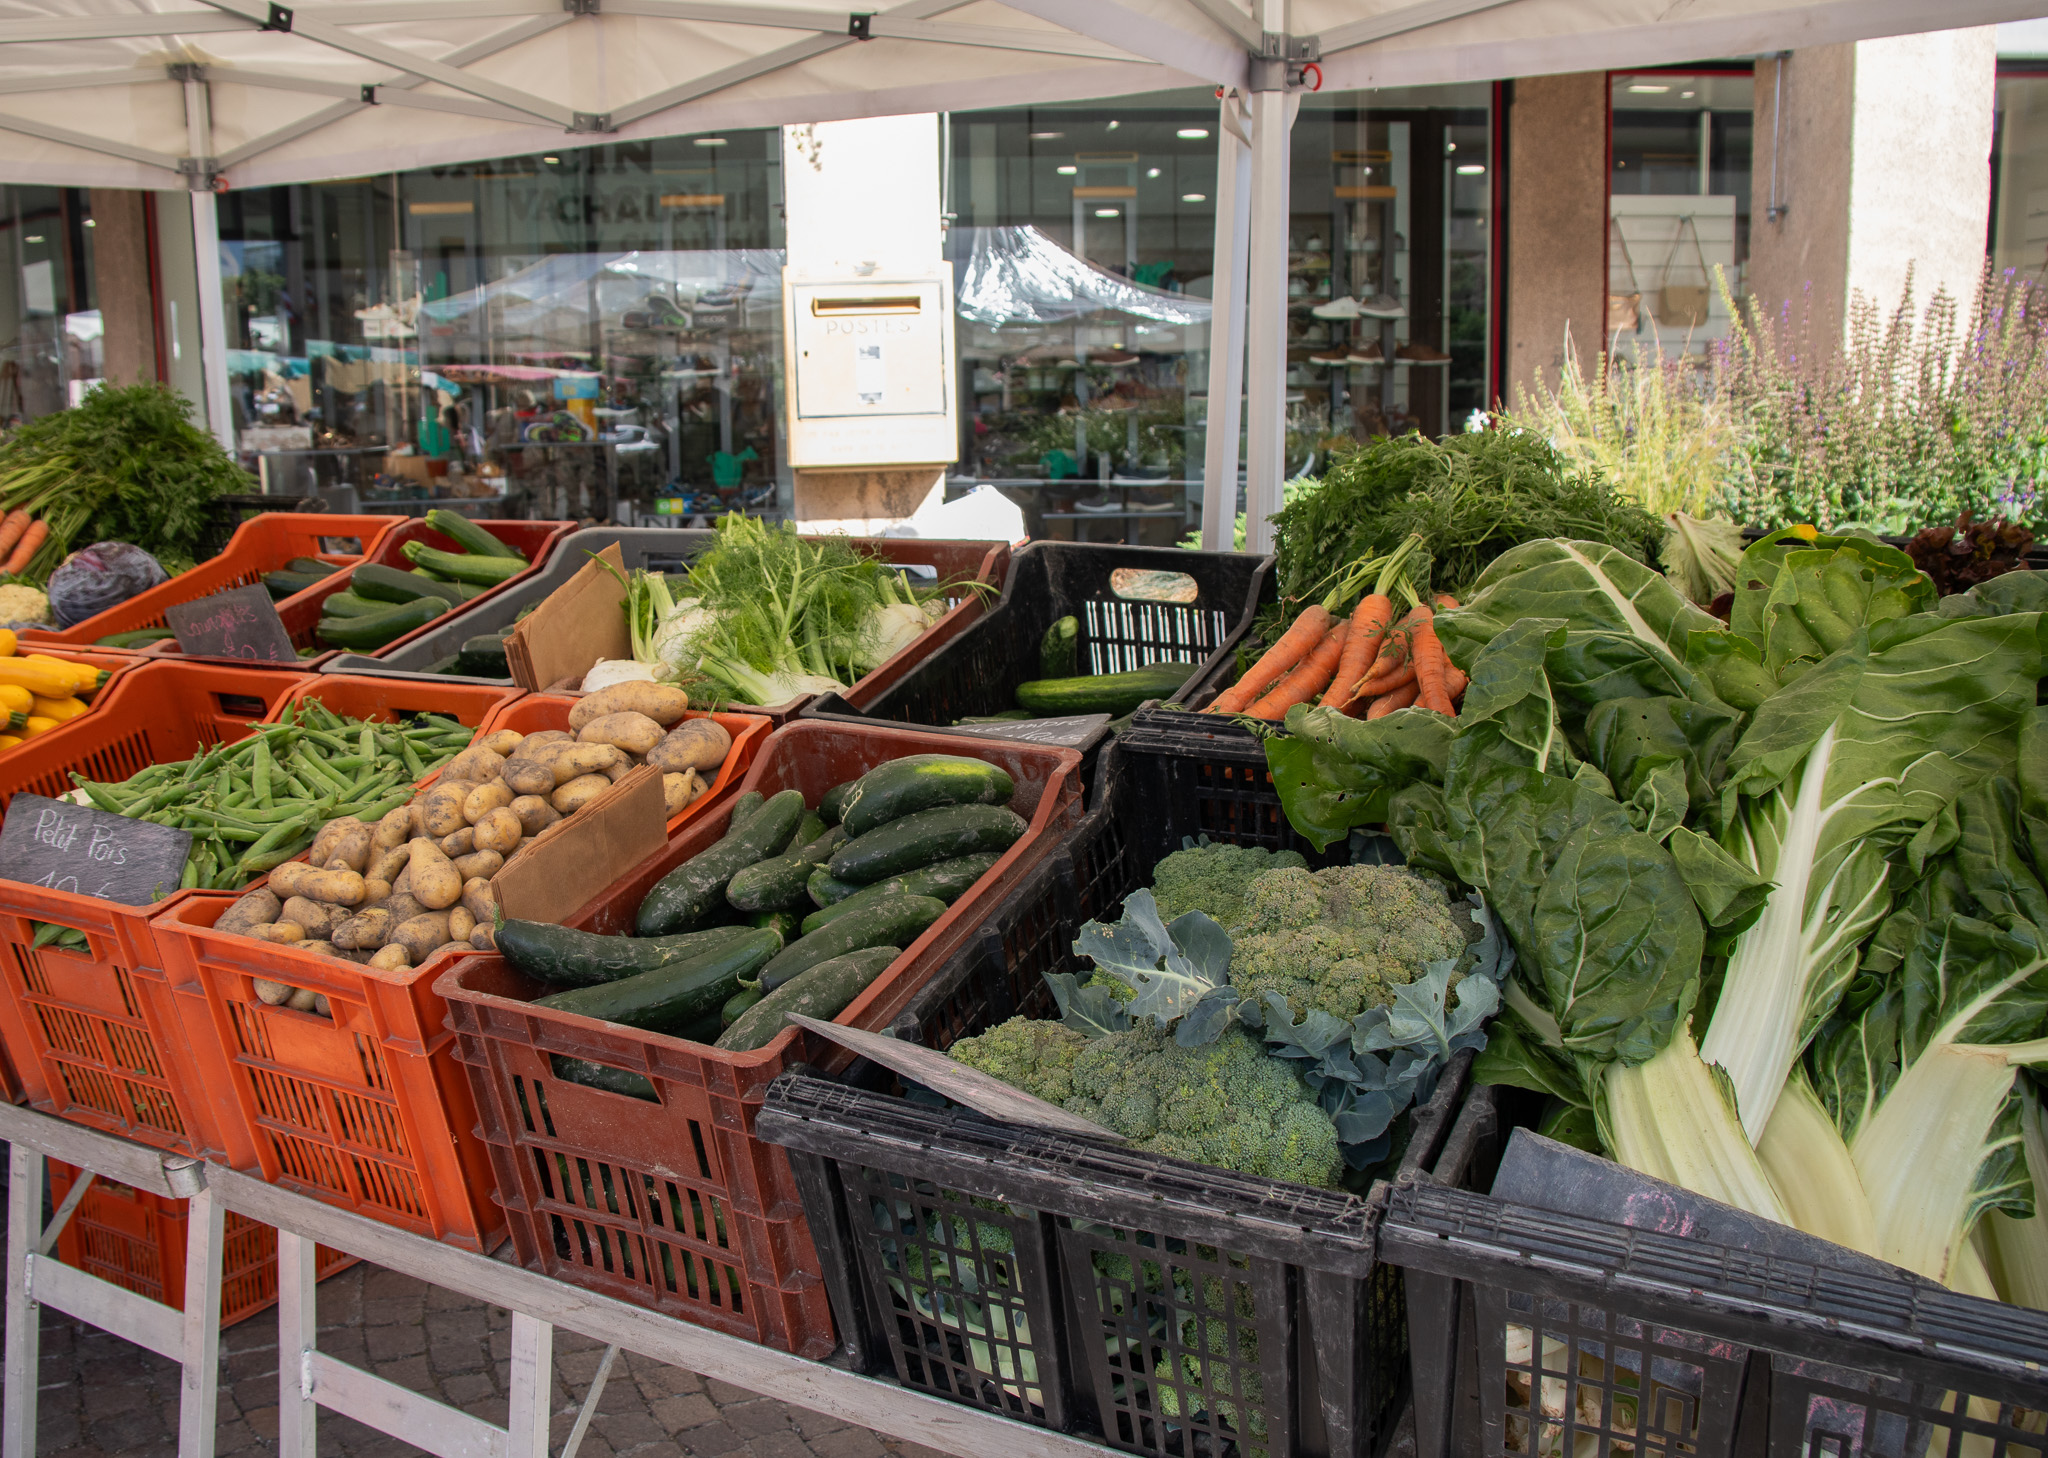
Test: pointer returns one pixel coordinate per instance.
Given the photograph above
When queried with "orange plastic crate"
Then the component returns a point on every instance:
(261, 544)
(137, 1241)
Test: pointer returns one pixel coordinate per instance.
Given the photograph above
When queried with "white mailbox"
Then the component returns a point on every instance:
(871, 371)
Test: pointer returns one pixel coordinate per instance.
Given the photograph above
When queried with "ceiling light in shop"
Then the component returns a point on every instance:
(709, 141)
(552, 161)
(1046, 136)
(1108, 213)
(35, 238)
(1450, 146)
(1151, 171)
(1639, 90)
(1193, 134)
(1112, 126)
(91, 223)
(1066, 171)
(1194, 197)
(1688, 95)
(1472, 169)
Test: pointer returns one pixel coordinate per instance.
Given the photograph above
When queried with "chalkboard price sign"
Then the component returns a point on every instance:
(239, 623)
(89, 852)
(1072, 731)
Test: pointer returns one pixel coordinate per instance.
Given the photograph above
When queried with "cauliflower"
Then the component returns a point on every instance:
(1213, 878)
(1227, 1103)
(20, 603)
(1341, 940)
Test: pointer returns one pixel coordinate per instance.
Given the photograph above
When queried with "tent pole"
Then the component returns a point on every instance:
(1226, 329)
(1266, 313)
(213, 330)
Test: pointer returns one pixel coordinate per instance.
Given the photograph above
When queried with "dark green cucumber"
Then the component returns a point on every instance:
(467, 535)
(789, 923)
(834, 804)
(675, 994)
(693, 891)
(743, 808)
(281, 584)
(826, 891)
(346, 604)
(311, 564)
(604, 1076)
(810, 829)
(389, 584)
(948, 880)
(565, 957)
(922, 782)
(463, 566)
(140, 638)
(778, 884)
(738, 1003)
(1114, 694)
(1008, 716)
(894, 922)
(923, 839)
(1059, 649)
(483, 657)
(374, 630)
(822, 991)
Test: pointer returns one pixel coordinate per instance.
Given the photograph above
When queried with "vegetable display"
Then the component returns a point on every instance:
(382, 603)
(39, 692)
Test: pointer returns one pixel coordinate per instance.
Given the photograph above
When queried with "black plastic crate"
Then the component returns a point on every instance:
(1553, 1333)
(1166, 1307)
(978, 673)
(223, 516)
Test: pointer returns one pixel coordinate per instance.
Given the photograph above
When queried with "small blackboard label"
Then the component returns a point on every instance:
(1070, 732)
(90, 852)
(239, 623)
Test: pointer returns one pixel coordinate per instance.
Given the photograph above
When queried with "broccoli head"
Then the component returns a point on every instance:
(1213, 878)
(1228, 1104)
(1341, 940)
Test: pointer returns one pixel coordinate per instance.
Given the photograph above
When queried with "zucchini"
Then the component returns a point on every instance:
(140, 638)
(374, 630)
(462, 567)
(310, 564)
(281, 584)
(738, 1003)
(824, 890)
(894, 922)
(925, 838)
(483, 657)
(346, 604)
(604, 1076)
(565, 957)
(389, 584)
(469, 536)
(948, 880)
(1114, 694)
(693, 891)
(824, 991)
(1060, 648)
(778, 884)
(834, 804)
(675, 994)
(922, 782)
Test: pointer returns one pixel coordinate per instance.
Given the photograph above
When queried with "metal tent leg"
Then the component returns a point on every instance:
(298, 1332)
(24, 1335)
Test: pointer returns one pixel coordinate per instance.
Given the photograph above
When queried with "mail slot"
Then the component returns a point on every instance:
(826, 308)
(871, 369)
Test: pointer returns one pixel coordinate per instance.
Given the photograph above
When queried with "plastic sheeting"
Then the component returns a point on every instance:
(1020, 276)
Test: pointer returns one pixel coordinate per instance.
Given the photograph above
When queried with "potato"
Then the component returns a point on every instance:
(401, 884)
(271, 994)
(374, 891)
(325, 843)
(579, 792)
(301, 1000)
(475, 765)
(253, 909)
(478, 900)
(634, 733)
(285, 932)
(391, 957)
(460, 923)
(501, 741)
(541, 737)
(402, 906)
(484, 938)
(336, 888)
(586, 759)
(441, 809)
(620, 770)
(353, 846)
(677, 791)
(459, 844)
(500, 831)
(421, 935)
(659, 702)
(484, 863)
(394, 829)
(416, 824)
(435, 883)
(320, 1004)
(387, 863)
(484, 799)
(365, 930)
(531, 776)
(311, 915)
(696, 744)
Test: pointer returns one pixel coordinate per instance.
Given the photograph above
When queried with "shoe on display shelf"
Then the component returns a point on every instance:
(1369, 353)
(1383, 306)
(1338, 308)
(1334, 357)
(1421, 354)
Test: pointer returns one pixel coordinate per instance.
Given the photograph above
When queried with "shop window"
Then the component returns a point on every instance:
(50, 345)
(1678, 206)
(2019, 170)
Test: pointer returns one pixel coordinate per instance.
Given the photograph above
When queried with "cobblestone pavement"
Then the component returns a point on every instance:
(102, 1396)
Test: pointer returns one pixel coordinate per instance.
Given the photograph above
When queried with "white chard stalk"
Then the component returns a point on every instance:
(2017, 1250)
(1669, 1119)
(1803, 1153)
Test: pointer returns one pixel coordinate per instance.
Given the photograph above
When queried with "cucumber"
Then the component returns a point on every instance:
(778, 884)
(895, 922)
(374, 630)
(1059, 649)
(826, 891)
(675, 994)
(948, 880)
(812, 826)
(281, 584)
(693, 891)
(604, 1076)
(744, 808)
(467, 535)
(140, 638)
(346, 604)
(923, 839)
(738, 1003)
(462, 566)
(1114, 694)
(566, 957)
(824, 991)
(1008, 716)
(389, 584)
(789, 923)
(310, 564)
(834, 804)
(483, 657)
(922, 782)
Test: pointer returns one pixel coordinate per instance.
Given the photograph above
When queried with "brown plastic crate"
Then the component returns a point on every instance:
(686, 1211)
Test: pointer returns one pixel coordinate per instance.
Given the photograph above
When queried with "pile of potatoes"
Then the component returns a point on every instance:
(394, 893)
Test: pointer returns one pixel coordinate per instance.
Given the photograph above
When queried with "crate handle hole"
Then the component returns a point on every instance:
(242, 706)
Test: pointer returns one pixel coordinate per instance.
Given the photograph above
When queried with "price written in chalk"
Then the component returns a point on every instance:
(239, 623)
(90, 852)
(1072, 731)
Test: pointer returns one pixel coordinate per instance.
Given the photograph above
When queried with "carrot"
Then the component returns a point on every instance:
(1385, 704)
(1369, 622)
(1371, 688)
(1307, 679)
(31, 538)
(1295, 644)
(1455, 681)
(15, 523)
(1430, 663)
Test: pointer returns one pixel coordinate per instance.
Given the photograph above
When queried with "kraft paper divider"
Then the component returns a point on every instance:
(586, 853)
(578, 623)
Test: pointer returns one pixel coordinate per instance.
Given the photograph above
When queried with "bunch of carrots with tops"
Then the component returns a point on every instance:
(20, 535)
(1364, 663)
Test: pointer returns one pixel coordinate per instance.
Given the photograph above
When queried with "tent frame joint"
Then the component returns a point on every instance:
(280, 19)
(201, 173)
(591, 121)
(1278, 63)
(859, 25)
(581, 7)
(183, 71)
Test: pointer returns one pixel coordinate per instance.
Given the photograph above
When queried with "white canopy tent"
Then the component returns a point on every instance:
(211, 94)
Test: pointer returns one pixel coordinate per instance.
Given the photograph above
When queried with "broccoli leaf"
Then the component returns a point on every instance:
(1206, 1020)
(1421, 1017)
(1170, 969)
(1087, 1007)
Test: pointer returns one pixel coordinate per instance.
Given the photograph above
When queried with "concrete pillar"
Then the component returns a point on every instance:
(179, 271)
(1882, 160)
(1556, 225)
(120, 258)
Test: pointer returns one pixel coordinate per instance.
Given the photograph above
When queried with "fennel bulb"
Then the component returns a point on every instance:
(672, 646)
(886, 631)
(608, 671)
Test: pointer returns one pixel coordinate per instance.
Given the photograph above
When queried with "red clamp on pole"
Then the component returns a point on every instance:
(1309, 66)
